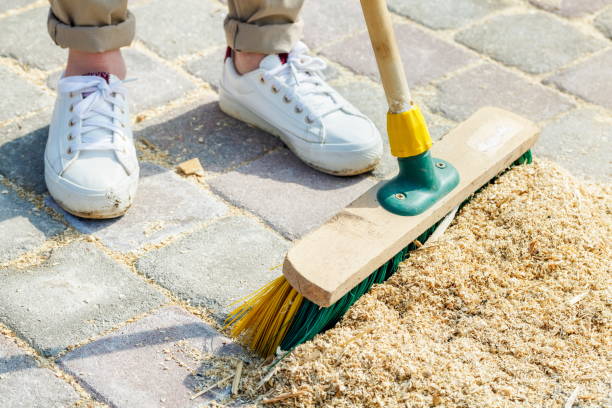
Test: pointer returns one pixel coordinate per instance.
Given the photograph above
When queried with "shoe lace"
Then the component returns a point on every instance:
(301, 79)
(100, 123)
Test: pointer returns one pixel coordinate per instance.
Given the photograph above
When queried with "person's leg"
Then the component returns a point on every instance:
(91, 169)
(93, 30)
(271, 82)
(256, 28)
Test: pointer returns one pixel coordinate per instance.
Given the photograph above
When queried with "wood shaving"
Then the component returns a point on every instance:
(191, 167)
(482, 320)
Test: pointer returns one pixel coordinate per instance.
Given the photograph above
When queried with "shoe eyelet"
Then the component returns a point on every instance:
(71, 94)
(71, 108)
(286, 99)
(70, 137)
(69, 151)
(308, 120)
(298, 110)
(262, 80)
(274, 90)
(122, 125)
(70, 123)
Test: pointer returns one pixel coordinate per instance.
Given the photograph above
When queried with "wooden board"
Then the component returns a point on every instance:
(327, 263)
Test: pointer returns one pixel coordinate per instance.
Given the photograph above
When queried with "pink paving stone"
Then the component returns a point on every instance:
(158, 361)
(590, 80)
(287, 194)
(571, 8)
(425, 57)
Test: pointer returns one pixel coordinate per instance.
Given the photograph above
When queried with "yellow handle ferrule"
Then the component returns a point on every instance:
(408, 134)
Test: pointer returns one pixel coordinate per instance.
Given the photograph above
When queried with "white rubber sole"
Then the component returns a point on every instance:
(236, 110)
(90, 204)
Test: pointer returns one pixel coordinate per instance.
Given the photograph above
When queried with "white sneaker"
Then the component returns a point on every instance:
(91, 167)
(288, 97)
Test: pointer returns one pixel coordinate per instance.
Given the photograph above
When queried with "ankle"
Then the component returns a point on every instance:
(245, 62)
(81, 63)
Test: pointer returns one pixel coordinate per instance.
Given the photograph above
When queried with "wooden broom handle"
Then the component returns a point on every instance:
(384, 43)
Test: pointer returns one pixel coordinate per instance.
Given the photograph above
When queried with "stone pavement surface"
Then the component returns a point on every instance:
(127, 313)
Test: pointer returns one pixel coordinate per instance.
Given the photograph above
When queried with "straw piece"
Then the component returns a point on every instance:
(211, 387)
(236, 383)
(572, 398)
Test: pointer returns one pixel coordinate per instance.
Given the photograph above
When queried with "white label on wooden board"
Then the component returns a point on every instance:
(489, 139)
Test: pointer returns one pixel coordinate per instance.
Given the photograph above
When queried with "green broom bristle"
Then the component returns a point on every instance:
(311, 319)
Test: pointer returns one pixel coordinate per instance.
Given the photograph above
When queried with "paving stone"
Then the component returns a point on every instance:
(536, 43)
(173, 29)
(23, 384)
(591, 80)
(24, 37)
(326, 21)
(22, 145)
(371, 101)
(77, 293)
(199, 266)
(23, 227)
(155, 85)
(18, 97)
(203, 131)
(445, 14)
(208, 67)
(7, 5)
(604, 22)
(580, 141)
(571, 8)
(286, 193)
(426, 57)
(153, 362)
(165, 205)
(487, 85)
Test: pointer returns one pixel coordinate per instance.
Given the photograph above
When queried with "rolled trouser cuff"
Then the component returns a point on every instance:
(91, 38)
(265, 39)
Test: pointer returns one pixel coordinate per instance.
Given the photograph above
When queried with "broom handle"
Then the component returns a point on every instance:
(390, 66)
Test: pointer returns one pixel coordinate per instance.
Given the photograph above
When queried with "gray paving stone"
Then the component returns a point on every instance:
(22, 145)
(218, 265)
(580, 141)
(425, 56)
(488, 85)
(536, 42)
(165, 205)
(445, 14)
(326, 21)
(24, 228)
(77, 293)
(371, 101)
(591, 80)
(571, 8)
(173, 29)
(286, 193)
(209, 67)
(155, 85)
(604, 22)
(23, 384)
(7, 5)
(159, 361)
(203, 131)
(24, 37)
(18, 97)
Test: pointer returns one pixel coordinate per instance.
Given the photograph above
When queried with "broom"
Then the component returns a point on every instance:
(330, 268)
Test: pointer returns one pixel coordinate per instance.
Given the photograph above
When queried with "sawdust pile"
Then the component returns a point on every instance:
(510, 309)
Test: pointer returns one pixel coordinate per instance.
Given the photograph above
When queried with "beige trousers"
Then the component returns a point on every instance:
(266, 26)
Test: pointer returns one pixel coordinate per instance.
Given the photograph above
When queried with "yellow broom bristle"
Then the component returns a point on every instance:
(263, 318)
